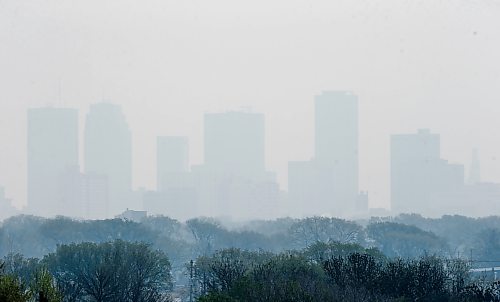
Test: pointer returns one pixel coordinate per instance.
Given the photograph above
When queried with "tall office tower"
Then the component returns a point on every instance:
(52, 151)
(336, 146)
(176, 193)
(233, 180)
(419, 177)
(84, 195)
(475, 169)
(95, 196)
(310, 189)
(235, 143)
(108, 152)
(172, 159)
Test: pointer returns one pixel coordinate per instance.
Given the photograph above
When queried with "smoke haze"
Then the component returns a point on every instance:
(425, 64)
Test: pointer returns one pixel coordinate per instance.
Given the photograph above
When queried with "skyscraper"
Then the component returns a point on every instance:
(420, 179)
(235, 143)
(310, 189)
(233, 180)
(172, 161)
(336, 145)
(108, 152)
(52, 151)
(475, 168)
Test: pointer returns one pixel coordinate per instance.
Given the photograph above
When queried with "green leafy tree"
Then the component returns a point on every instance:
(325, 229)
(399, 240)
(11, 289)
(43, 287)
(205, 233)
(321, 251)
(113, 271)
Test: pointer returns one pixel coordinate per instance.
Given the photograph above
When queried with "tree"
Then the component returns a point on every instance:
(44, 288)
(205, 232)
(11, 289)
(356, 275)
(285, 277)
(399, 240)
(325, 229)
(21, 267)
(220, 271)
(113, 271)
(487, 246)
(321, 251)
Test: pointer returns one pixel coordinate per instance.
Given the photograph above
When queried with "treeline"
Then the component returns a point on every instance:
(406, 236)
(233, 275)
(113, 271)
(126, 271)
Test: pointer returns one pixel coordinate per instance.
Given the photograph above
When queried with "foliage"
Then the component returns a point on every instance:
(487, 246)
(313, 239)
(400, 240)
(286, 277)
(235, 275)
(44, 287)
(114, 271)
(478, 292)
(23, 268)
(12, 290)
(321, 251)
(325, 229)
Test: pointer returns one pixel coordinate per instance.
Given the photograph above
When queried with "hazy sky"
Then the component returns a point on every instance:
(414, 64)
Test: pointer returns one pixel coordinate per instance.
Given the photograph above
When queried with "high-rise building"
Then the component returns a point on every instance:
(95, 196)
(233, 180)
(336, 146)
(176, 194)
(419, 177)
(310, 189)
(172, 158)
(108, 152)
(52, 150)
(475, 168)
(84, 195)
(235, 143)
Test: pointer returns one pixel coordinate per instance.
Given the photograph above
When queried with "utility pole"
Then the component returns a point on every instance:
(191, 281)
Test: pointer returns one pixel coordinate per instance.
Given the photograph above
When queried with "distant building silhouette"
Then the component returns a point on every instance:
(475, 169)
(235, 143)
(52, 151)
(96, 195)
(84, 195)
(233, 179)
(420, 179)
(108, 152)
(310, 189)
(362, 207)
(172, 158)
(328, 184)
(176, 194)
(336, 145)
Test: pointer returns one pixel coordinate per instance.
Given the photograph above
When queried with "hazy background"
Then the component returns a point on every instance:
(414, 64)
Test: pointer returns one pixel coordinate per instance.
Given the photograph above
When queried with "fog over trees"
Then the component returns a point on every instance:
(249, 151)
(407, 257)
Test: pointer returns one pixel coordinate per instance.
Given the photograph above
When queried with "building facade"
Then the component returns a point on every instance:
(52, 152)
(108, 152)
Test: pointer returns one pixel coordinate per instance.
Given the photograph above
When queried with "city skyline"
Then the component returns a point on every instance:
(257, 151)
(426, 65)
(235, 148)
